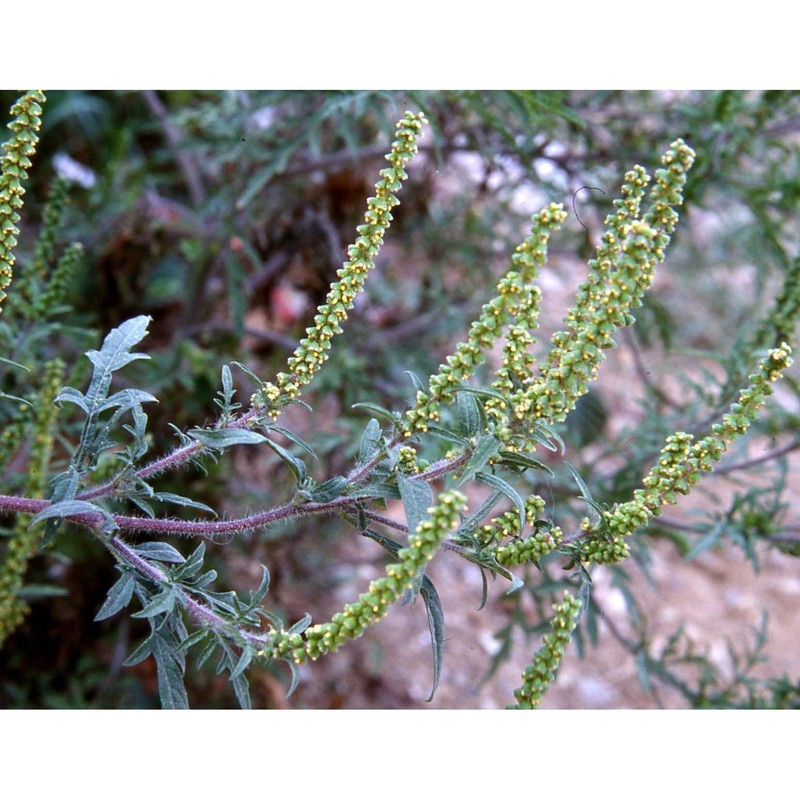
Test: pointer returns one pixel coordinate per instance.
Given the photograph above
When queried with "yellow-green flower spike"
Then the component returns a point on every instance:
(541, 673)
(14, 162)
(517, 301)
(619, 276)
(401, 575)
(24, 541)
(312, 353)
(681, 464)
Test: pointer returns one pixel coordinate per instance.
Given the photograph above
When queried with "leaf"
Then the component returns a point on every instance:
(482, 392)
(119, 595)
(433, 606)
(115, 351)
(225, 437)
(295, 678)
(34, 591)
(263, 587)
(370, 442)
(244, 661)
(294, 463)
(469, 415)
(300, 625)
(469, 525)
(242, 691)
(449, 436)
(586, 495)
(250, 374)
(507, 489)
(162, 603)
(192, 565)
(417, 498)
(331, 489)
(486, 447)
(70, 508)
(170, 676)
(293, 437)
(126, 399)
(378, 411)
(159, 551)
(547, 437)
(168, 497)
(13, 364)
(418, 385)
(512, 459)
(140, 653)
(195, 638)
(16, 399)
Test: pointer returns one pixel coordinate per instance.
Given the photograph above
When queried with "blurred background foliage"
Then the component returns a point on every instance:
(225, 215)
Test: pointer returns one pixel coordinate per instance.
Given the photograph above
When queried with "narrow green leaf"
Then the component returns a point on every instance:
(263, 587)
(485, 449)
(482, 392)
(585, 493)
(329, 490)
(119, 595)
(225, 437)
(158, 551)
(418, 385)
(195, 638)
(523, 461)
(13, 364)
(126, 399)
(433, 606)
(142, 505)
(69, 508)
(244, 661)
(170, 676)
(378, 411)
(162, 603)
(193, 564)
(242, 691)
(168, 497)
(370, 442)
(417, 498)
(300, 625)
(250, 374)
(294, 463)
(295, 678)
(507, 489)
(293, 437)
(16, 399)
(469, 415)
(140, 653)
(449, 436)
(35, 591)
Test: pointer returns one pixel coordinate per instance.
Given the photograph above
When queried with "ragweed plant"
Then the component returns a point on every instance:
(461, 429)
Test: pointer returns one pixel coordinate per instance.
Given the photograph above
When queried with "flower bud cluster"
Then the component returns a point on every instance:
(371, 606)
(529, 550)
(540, 674)
(14, 164)
(24, 541)
(60, 281)
(517, 301)
(407, 461)
(682, 459)
(312, 353)
(507, 526)
(618, 278)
